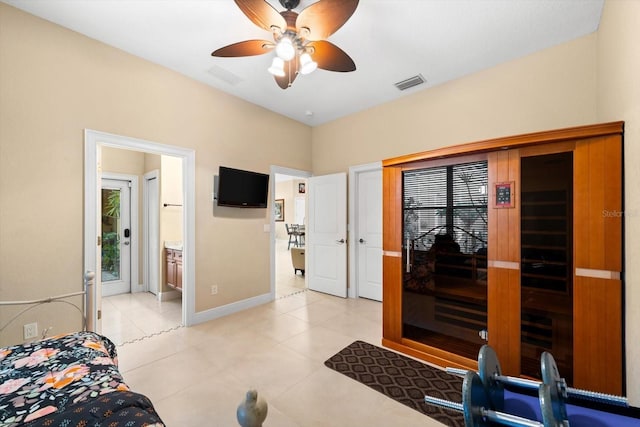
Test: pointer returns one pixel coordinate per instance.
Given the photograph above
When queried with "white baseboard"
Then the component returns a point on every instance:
(169, 295)
(225, 310)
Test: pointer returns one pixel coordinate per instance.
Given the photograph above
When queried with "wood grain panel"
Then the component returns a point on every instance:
(504, 317)
(504, 247)
(544, 149)
(392, 298)
(392, 209)
(433, 355)
(509, 142)
(392, 265)
(597, 337)
(613, 205)
(598, 203)
(504, 223)
(514, 225)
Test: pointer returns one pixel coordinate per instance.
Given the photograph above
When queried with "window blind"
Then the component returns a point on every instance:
(446, 199)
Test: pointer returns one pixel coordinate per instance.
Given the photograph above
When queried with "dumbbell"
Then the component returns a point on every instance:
(491, 375)
(476, 410)
(552, 391)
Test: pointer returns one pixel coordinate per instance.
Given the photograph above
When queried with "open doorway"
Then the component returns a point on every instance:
(289, 201)
(141, 303)
(138, 298)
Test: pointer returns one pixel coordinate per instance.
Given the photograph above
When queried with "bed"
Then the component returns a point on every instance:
(69, 380)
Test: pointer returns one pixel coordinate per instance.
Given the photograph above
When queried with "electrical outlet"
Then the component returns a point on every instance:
(30, 331)
(214, 290)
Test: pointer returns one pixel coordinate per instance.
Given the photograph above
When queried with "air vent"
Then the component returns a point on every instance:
(410, 82)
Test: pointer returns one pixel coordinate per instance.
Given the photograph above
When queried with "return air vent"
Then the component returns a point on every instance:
(410, 82)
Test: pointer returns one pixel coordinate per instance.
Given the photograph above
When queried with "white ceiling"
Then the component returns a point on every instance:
(389, 40)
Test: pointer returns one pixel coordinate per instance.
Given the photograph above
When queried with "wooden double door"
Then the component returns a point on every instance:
(526, 254)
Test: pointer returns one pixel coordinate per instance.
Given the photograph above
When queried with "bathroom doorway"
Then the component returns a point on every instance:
(94, 144)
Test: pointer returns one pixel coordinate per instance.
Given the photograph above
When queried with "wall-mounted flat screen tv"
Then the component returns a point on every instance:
(242, 189)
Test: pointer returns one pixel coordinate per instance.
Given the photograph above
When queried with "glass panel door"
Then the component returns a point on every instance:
(546, 265)
(444, 299)
(110, 234)
(116, 237)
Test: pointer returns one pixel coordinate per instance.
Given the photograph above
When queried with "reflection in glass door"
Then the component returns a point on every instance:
(116, 237)
(547, 272)
(444, 298)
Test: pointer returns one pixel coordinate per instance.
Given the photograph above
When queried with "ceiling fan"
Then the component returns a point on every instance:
(298, 38)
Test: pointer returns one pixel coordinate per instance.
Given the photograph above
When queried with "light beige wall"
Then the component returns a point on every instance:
(550, 89)
(54, 84)
(151, 162)
(171, 223)
(619, 99)
(171, 193)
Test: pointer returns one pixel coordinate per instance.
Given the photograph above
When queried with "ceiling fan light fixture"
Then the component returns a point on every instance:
(285, 49)
(307, 65)
(277, 67)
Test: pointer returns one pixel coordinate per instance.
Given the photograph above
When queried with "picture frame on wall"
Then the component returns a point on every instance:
(302, 188)
(278, 208)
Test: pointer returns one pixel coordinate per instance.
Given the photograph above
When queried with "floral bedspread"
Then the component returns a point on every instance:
(68, 380)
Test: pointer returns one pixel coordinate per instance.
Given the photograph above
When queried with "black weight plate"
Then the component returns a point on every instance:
(552, 406)
(474, 398)
(488, 368)
(549, 369)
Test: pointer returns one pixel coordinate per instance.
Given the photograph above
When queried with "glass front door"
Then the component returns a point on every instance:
(116, 237)
(444, 298)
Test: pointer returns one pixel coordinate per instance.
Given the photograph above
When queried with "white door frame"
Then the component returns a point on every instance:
(352, 227)
(146, 233)
(93, 141)
(272, 219)
(135, 286)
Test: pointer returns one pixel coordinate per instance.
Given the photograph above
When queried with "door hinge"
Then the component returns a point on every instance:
(99, 314)
(99, 241)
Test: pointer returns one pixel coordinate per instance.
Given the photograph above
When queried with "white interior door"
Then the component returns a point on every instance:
(326, 234)
(116, 237)
(369, 235)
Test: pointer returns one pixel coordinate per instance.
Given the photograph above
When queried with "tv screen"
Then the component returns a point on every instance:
(242, 189)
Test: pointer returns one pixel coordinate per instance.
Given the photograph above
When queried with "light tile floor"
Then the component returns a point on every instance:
(287, 281)
(197, 376)
(129, 317)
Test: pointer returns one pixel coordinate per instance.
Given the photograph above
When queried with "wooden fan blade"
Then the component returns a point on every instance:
(330, 57)
(325, 17)
(245, 48)
(262, 14)
(290, 74)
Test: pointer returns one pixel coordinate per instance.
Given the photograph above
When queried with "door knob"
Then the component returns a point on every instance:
(361, 241)
(341, 241)
(126, 243)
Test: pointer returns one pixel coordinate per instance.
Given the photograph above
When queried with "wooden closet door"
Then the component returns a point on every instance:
(597, 334)
(504, 264)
